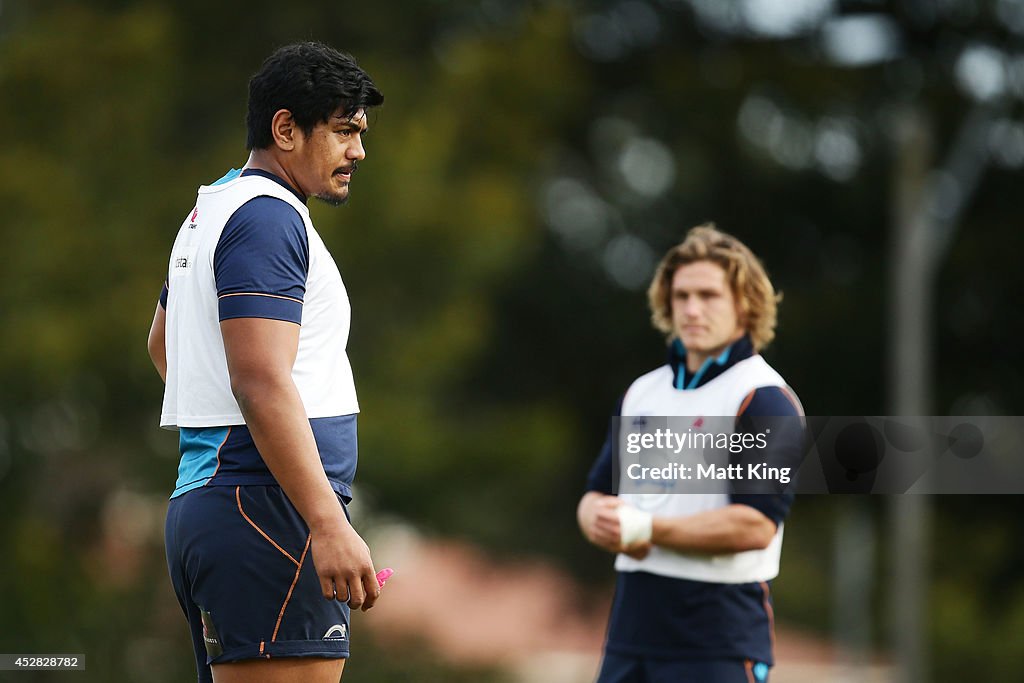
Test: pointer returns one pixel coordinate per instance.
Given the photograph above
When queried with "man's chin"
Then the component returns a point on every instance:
(692, 343)
(334, 199)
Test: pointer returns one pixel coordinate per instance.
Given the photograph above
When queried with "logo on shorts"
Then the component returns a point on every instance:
(337, 632)
(760, 672)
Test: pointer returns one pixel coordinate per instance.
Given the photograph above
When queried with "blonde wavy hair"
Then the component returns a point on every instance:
(756, 299)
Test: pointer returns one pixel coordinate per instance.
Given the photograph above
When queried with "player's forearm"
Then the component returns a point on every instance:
(159, 362)
(732, 529)
(276, 418)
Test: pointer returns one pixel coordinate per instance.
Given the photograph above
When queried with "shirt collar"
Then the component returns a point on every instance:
(684, 380)
(277, 179)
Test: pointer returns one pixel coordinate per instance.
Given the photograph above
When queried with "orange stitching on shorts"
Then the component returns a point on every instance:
(289, 596)
(238, 497)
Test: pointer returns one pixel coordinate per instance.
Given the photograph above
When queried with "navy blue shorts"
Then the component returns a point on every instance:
(625, 669)
(240, 564)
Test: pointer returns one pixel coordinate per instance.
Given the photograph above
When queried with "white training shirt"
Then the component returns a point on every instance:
(198, 388)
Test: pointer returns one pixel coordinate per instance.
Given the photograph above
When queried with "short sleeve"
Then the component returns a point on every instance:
(777, 410)
(163, 297)
(261, 262)
(601, 476)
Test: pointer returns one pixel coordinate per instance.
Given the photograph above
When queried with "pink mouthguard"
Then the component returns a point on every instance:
(383, 575)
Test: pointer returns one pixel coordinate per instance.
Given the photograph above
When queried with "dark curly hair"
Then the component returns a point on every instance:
(312, 81)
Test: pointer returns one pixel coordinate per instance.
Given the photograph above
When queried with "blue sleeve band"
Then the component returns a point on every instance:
(163, 297)
(771, 408)
(259, 306)
(262, 261)
(601, 476)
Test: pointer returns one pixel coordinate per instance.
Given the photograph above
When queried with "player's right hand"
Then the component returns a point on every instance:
(343, 564)
(599, 520)
(637, 551)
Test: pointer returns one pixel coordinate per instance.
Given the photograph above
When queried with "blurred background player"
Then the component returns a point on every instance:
(692, 601)
(250, 337)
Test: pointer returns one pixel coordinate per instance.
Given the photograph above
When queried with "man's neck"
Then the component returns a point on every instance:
(263, 160)
(694, 361)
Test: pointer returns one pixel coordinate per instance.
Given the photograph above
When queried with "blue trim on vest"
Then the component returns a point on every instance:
(230, 175)
(199, 449)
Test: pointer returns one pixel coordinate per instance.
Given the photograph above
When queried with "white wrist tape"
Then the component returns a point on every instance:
(634, 525)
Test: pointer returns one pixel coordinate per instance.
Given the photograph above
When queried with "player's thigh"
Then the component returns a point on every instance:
(283, 670)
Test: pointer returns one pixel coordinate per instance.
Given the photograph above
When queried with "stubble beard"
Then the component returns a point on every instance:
(332, 199)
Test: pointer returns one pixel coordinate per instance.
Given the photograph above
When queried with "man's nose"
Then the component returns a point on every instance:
(355, 151)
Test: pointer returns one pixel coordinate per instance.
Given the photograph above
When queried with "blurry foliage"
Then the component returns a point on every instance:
(489, 343)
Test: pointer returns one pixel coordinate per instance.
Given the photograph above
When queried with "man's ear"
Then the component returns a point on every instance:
(283, 130)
